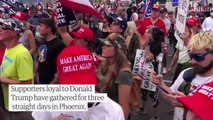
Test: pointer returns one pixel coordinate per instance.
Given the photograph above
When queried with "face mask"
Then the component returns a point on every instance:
(211, 14)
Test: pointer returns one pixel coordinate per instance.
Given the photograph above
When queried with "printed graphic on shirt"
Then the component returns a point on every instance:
(6, 62)
(42, 53)
(193, 88)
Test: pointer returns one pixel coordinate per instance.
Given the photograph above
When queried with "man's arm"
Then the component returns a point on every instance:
(65, 35)
(31, 39)
(6, 80)
(174, 61)
(55, 79)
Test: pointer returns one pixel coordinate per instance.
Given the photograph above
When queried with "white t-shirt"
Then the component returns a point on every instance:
(108, 110)
(195, 84)
(167, 23)
(208, 24)
(183, 56)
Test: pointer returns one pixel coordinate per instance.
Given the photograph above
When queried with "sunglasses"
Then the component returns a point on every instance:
(6, 27)
(199, 57)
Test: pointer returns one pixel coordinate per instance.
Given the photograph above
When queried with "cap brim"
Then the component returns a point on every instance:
(198, 105)
(156, 9)
(114, 19)
(191, 24)
(103, 41)
(77, 35)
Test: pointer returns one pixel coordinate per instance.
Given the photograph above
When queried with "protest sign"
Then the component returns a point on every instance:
(175, 3)
(138, 56)
(149, 5)
(144, 69)
(65, 16)
(181, 18)
(138, 2)
(11, 3)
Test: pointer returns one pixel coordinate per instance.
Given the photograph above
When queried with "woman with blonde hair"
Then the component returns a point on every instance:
(116, 71)
(132, 41)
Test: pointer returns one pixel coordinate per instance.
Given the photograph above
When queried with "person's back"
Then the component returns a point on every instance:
(207, 24)
(82, 72)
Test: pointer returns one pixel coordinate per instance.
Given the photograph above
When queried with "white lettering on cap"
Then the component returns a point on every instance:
(85, 66)
(119, 18)
(82, 58)
(81, 30)
(70, 68)
(66, 60)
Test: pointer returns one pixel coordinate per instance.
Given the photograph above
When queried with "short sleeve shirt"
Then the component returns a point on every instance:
(143, 25)
(17, 64)
(123, 78)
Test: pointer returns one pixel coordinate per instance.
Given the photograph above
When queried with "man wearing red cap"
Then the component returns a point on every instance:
(141, 15)
(76, 66)
(152, 20)
(83, 37)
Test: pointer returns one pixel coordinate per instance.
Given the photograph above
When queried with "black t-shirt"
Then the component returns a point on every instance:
(124, 77)
(47, 55)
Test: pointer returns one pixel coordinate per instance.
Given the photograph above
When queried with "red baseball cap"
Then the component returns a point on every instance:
(21, 16)
(142, 11)
(75, 65)
(192, 22)
(85, 33)
(201, 102)
(156, 7)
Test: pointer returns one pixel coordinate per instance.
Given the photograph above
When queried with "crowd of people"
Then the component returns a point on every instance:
(32, 49)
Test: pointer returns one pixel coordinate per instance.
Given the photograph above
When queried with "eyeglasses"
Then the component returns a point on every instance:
(6, 27)
(199, 57)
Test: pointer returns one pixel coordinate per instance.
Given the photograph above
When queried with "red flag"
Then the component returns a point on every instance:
(83, 6)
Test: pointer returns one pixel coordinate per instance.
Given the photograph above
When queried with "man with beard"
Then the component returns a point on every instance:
(201, 53)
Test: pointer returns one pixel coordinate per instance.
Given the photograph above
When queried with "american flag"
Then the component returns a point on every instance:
(149, 4)
(40, 4)
(83, 6)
